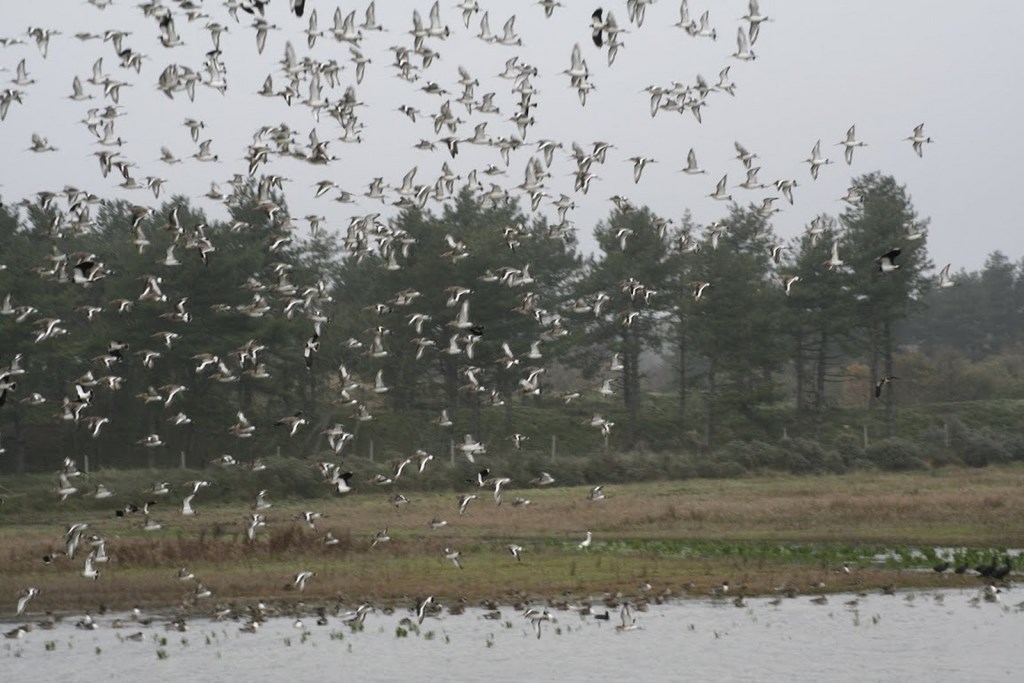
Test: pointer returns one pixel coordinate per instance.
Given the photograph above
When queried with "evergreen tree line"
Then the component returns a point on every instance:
(484, 323)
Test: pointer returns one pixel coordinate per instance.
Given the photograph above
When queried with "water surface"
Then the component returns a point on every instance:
(940, 635)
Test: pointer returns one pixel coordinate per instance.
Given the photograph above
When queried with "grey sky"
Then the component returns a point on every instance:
(821, 66)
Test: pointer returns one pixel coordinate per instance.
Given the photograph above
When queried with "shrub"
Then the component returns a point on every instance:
(752, 455)
(980, 447)
(720, 469)
(860, 465)
(803, 456)
(895, 454)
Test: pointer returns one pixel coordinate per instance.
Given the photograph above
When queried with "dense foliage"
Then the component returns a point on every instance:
(724, 347)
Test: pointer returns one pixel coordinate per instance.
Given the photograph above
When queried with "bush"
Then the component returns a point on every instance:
(751, 455)
(678, 466)
(980, 447)
(981, 450)
(860, 465)
(806, 456)
(896, 454)
(945, 457)
(848, 445)
(720, 469)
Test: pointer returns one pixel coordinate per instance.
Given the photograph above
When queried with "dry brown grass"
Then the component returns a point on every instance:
(977, 508)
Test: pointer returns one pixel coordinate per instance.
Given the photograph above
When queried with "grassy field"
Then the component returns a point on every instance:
(761, 534)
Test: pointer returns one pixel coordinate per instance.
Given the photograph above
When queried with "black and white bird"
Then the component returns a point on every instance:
(255, 522)
(90, 571)
(24, 597)
(597, 27)
(834, 261)
(816, 160)
(691, 167)
(628, 620)
(261, 502)
(850, 143)
(423, 607)
(720, 190)
(536, 617)
(788, 283)
(464, 500)
(292, 422)
(311, 348)
(544, 479)
(881, 383)
(309, 517)
(944, 281)
(918, 139)
(453, 557)
(887, 261)
(242, 429)
(299, 580)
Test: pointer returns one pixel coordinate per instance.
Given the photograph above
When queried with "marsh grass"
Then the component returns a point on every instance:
(760, 533)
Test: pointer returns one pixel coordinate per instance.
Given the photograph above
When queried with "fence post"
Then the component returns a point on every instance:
(865, 436)
(371, 450)
(85, 463)
(181, 459)
(554, 446)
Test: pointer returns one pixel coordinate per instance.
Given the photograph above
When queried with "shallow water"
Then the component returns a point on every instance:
(905, 637)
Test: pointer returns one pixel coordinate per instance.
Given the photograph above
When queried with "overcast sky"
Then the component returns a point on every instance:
(821, 66)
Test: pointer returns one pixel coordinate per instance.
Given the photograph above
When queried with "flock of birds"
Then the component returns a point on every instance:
(304, 80)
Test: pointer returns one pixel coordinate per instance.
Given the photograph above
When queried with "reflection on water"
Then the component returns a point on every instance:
(941, 636)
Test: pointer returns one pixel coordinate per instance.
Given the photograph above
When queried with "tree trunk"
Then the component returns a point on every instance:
(314, 386)
(18, 445)
(681, 374)
(404, 394)
(820, 372)
(475, 417)
(509, 427)
(451, 381)
(631, 385)
(709, 407)
(873, 367)
(890, 402)
(800, 372)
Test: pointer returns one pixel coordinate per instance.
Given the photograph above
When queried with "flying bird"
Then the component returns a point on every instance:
(816, 160)
(887, 261)
(944, 280)
(849, 144)
(23, 599)
(887, 379)
(918, 139)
